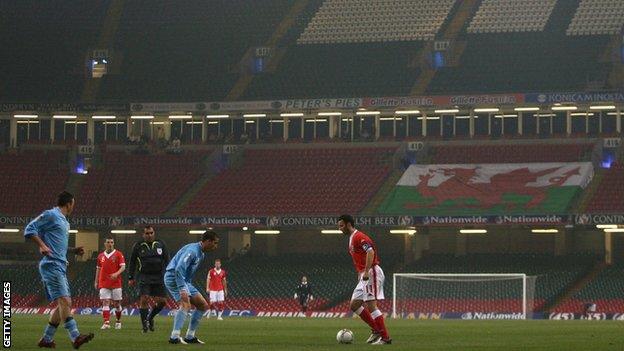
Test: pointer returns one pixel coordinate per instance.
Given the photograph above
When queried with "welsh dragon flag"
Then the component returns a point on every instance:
(482, 189)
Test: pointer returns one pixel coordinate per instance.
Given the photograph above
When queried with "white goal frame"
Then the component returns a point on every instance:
(453, 275)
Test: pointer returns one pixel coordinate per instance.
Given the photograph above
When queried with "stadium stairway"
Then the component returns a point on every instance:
(588, 194)
(287, 22)
(458, 19)
(575, 287)
(74, 183)
(612, 55)
(105, 40)
(561, 16)
(189, 194)
(381, 194)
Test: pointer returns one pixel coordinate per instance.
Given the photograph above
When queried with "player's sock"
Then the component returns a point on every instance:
(220, 309)
(155, 311)
(195, 319)
(366, 317)
(48, 333)
(381, 324)
(178, 323)
(143, 312)
(118, 313)
(72, 328)
(106, 313)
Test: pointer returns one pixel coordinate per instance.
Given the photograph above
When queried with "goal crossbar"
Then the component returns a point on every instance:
(502, 276)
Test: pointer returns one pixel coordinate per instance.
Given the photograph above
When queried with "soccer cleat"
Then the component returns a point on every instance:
(144, 324)
(47, 344)
(118, 325)
(193, 340)
(82, 339)
(373, 337)
(219, 318)
(106, 325)
(150, 324)
(177, 341)
(382, 342)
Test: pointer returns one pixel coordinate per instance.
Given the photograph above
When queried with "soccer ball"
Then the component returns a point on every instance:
(345, 336)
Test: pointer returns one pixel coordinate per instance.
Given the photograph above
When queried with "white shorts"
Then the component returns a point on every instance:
(371, 289)
(217, 296)
(110, 294)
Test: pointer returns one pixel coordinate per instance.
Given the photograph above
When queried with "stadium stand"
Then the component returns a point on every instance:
(495, 62)
(30, 181)
(609, 197)
(26, 284)
(187, 51)
(295, 181)
(339, 70)
(339, 21)
(52, 66)
(597, 17)
(547, 60)
(605, 291)
(496, 16)
(467, 154)
(441, 190)
(130, 184)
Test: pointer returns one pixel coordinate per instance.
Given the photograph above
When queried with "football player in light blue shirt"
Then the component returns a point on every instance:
(179, 281)
(50, 231)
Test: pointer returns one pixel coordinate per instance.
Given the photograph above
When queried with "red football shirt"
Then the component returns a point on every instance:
(359, 244)
(109, 264)
(216, 279)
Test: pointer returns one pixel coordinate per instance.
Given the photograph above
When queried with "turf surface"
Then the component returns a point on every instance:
(239, 333)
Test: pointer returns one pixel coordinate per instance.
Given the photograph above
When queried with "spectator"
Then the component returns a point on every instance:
(212, 138)
(244, 138)
(365, 134)
(175, 146)
(245, 250)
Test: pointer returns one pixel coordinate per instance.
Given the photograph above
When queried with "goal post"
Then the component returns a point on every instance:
(463, 295)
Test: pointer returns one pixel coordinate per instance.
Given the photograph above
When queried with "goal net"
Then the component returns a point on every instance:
(462, 296)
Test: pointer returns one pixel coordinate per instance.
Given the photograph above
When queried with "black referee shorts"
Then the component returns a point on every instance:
(152, 289)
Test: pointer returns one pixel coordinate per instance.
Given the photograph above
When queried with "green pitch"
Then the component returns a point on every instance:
(257, 334)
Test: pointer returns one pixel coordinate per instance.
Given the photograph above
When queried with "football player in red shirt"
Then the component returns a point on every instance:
(369, 289)
(216, 287)
(110, 265)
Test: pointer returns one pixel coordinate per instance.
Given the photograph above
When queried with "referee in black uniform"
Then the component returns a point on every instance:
(150, 256)
(303, 292)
